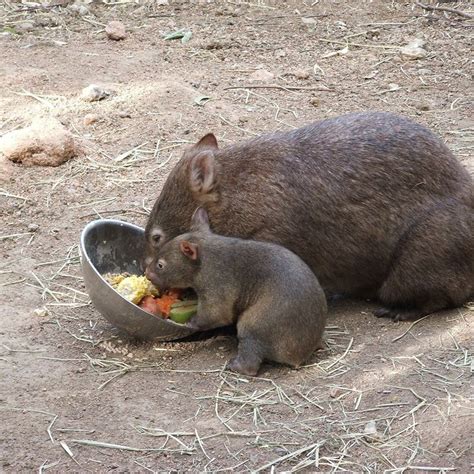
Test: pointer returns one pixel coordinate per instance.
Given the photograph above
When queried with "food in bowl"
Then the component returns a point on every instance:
(170, 304)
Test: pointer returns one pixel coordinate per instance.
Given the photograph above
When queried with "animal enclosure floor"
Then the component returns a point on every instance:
(75, 396)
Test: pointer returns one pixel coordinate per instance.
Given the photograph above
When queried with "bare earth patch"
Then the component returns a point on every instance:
(75, 396)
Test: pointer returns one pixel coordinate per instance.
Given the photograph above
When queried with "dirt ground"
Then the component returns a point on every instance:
(75, 396)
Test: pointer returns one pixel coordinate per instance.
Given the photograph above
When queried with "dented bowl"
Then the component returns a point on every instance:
(113, 246)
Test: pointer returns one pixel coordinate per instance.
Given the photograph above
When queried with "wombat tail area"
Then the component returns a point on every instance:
(433, 266)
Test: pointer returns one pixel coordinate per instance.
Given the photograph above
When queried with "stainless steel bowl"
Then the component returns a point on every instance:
(112, 246)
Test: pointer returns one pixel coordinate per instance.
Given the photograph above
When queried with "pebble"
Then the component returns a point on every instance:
(334, 392)
(423, 107)
(262, 75)
(41, 312)
(414, 49)
(301, 74)
(90, 119)
(33, 227)
(24, 27)
(314, 101)
(115, 30)
(94, 93)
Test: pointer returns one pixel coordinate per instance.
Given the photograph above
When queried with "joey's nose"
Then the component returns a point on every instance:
(150, 274)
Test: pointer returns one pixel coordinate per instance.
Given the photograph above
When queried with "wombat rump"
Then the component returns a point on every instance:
(267, 291)
(374, 203)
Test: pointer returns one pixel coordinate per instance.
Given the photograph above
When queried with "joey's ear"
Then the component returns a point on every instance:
(207, 142)
(203, 175)
(189, 249)
(200, 220)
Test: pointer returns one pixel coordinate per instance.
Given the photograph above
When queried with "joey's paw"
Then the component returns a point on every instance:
(238, 365)
(193, 323)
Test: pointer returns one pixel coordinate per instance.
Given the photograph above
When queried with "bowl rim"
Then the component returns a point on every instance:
(84, 254)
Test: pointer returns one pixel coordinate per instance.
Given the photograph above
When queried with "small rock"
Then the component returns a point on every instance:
(371, 433)
(79, 9)
(24, 27)
(370, 428)
(41, 312)
(423, 107)
(130, 355)
(46, 142)
(90, 119)
(308, 21)
(94, 93)
(262, 75)
(116, 30)
(314, 101)
(335, 392)
(33, 227)
(124, 114)
(301, 74)
(414, 49)
(280, 53)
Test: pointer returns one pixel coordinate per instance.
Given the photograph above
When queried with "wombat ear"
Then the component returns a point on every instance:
(202, 177)
(200, 220)
(189, 249)
(207, 141)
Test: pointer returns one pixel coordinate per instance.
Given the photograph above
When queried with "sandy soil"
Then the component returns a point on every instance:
(75, 396)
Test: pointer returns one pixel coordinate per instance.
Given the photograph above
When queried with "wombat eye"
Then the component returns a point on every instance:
(156, 237)
(160, 264)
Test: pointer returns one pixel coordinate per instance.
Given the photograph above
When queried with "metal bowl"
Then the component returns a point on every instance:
(112, 246)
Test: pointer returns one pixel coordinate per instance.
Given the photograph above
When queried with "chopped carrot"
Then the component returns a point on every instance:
(164, 303)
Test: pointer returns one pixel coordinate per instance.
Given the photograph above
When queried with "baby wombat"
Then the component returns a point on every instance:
(267, 291)
(374, 203)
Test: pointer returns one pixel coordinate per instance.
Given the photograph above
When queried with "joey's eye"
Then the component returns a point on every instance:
(161, 264)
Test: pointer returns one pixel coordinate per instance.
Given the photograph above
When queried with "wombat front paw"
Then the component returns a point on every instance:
(242, 367)
(397, 314)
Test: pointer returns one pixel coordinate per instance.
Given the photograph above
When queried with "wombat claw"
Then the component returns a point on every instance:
(396, 314)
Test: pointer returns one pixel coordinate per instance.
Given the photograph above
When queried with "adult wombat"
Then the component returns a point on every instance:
(374, 203)
(269, 292)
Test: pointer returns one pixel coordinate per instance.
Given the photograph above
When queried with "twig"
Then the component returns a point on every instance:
(283, 88)
(100, 444)
(409, 329)
(68, 451)
(360, 45)
(444, 9)
(289, 456)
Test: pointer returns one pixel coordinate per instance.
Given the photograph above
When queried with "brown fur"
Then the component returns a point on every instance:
(374, 203)
(268, 292)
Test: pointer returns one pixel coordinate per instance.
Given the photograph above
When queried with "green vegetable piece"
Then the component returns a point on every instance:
(182, 314)
(181, 303)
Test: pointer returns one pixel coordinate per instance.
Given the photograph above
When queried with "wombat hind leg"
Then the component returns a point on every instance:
(433, 267)
(248, 359)
(244, 366)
